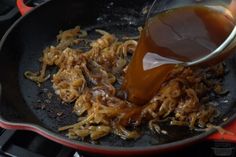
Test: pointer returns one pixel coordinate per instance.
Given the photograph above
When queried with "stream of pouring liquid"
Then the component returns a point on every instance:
(169, 38)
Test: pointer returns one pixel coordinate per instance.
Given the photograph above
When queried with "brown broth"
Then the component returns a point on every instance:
(183, 34)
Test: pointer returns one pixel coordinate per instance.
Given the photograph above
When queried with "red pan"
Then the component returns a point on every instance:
(22, 45)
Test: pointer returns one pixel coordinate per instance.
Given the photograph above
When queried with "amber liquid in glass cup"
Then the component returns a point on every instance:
(179, 34)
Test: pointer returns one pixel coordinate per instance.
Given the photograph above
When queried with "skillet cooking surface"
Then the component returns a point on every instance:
(23, 101)
(49, 110)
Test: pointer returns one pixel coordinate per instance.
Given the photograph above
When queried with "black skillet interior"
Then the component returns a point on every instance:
(23, 101)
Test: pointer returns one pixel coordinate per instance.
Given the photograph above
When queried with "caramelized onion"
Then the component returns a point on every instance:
(89, 80)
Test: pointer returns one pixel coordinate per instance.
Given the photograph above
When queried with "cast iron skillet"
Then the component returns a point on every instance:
(25, 106)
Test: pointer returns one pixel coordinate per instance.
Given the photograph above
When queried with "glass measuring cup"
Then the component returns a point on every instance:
(228, 7)
(152, 62)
